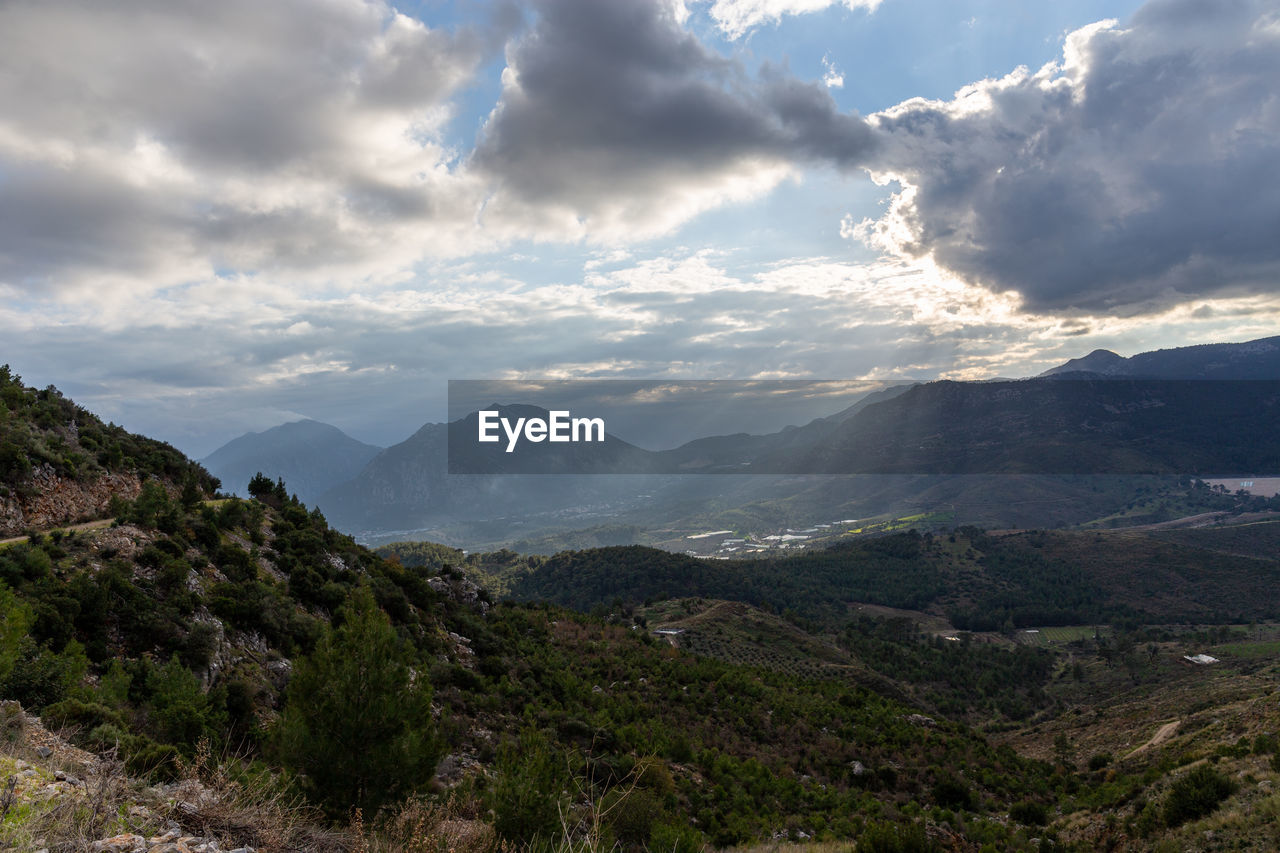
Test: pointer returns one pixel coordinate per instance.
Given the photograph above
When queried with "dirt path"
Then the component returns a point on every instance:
(87, 525)
(1162, 734)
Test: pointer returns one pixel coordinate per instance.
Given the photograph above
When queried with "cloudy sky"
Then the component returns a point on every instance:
(217, 217)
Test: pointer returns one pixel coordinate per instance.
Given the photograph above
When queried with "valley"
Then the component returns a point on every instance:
(737, 674)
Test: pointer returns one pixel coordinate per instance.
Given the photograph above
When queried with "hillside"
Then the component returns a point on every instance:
(60, 464)
(310, 456)
(232, 596)
(977, 580)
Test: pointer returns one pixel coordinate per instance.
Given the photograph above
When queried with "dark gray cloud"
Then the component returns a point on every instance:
(1135, 174)
(610, 106)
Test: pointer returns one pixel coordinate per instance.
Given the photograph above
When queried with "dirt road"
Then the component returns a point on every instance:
(88, 525)
(1162, 734)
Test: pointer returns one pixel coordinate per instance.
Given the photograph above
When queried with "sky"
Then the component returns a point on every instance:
(219, 217)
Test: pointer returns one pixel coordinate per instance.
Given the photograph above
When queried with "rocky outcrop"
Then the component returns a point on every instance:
(49, 499)
(461, 589)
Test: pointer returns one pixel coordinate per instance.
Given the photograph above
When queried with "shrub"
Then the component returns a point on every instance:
(86, 716)
(1029, 813)
(631, 814)
(950, 792)
(529, 792)
(161, 762)
(894, 838)
(1196, 794)
(13, 723)
(676, 839)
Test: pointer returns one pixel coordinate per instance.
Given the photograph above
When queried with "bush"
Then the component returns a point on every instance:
(85, 716)
(529, 793)
(894, 838)
(950, 792)
(676, 839)
(631, 814)
(1029, 813)
(13, 723)
(161, 762)
(1196, 794)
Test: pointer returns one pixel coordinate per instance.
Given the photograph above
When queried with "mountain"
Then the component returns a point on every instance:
(1042, 426)
(1101, 361)
(1258, 359)
(311, 457)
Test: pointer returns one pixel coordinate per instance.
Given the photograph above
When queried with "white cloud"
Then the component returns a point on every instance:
(832, 77)
(737, 17)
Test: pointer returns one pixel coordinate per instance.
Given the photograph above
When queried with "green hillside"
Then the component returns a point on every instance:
(981, 581)
(44, 428)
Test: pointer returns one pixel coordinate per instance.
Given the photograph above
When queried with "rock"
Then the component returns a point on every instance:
(44, 751)
(56, 500)
(460, 589)
(453, 768)
(921, 721)
(127, 843)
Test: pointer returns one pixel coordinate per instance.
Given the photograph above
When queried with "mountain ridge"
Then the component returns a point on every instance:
(1256, 359)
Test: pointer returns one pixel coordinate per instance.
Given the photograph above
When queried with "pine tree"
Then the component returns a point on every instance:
(357, 720)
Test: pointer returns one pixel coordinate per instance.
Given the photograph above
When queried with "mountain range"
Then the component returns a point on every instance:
(909, 444)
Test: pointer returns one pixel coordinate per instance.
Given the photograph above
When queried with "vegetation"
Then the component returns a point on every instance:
(356, 719)
(1196, 794)
(251, 630)
(45, 428)
(979, 581)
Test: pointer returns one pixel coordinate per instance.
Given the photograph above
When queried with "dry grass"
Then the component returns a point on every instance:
(219, 799)
(246, 810)
(795, 847)
(424, 826)
(63, 816)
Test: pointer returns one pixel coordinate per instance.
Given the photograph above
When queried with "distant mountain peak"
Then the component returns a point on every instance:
(309, 455)
(1099, 361)
(1258, 359)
